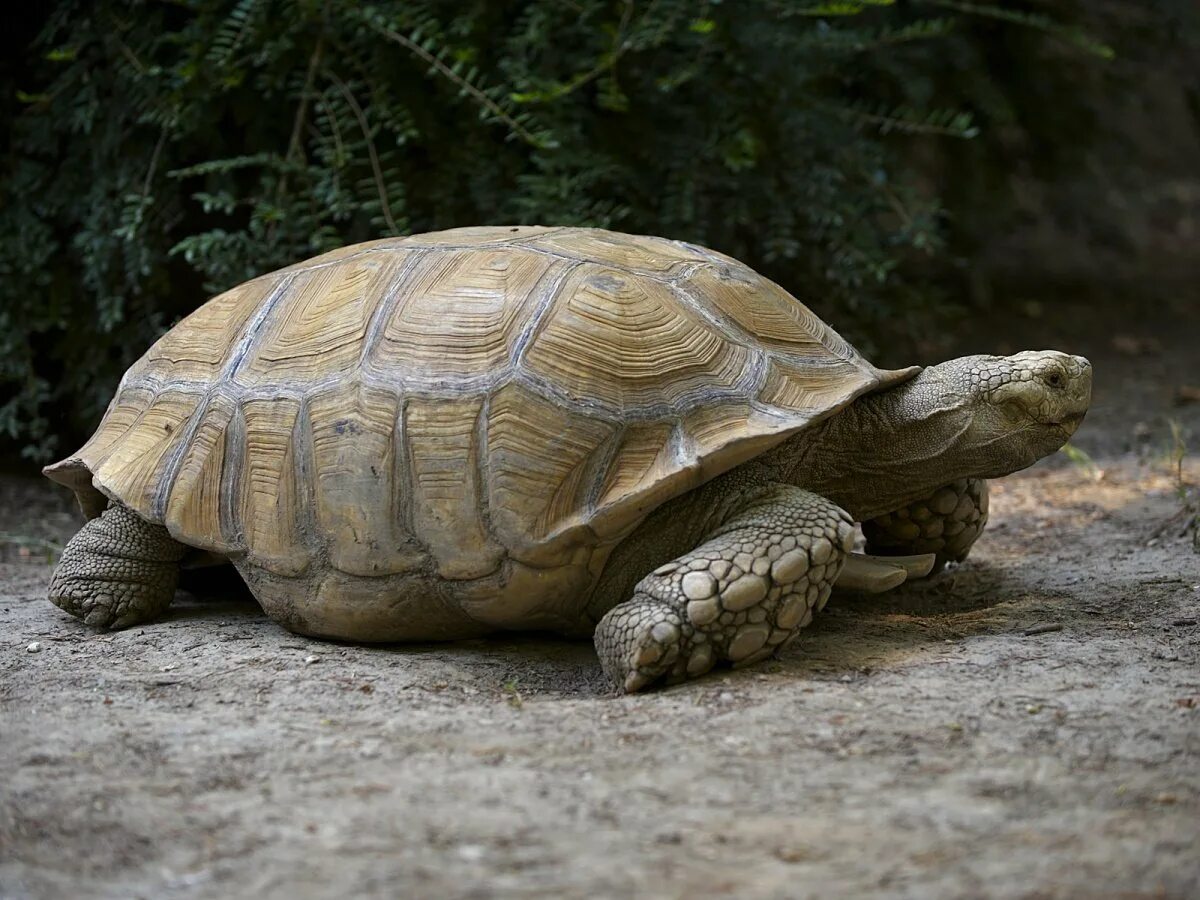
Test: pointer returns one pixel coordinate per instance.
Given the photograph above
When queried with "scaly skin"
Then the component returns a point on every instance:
(947, 523)
(118, 570)
(740, 596)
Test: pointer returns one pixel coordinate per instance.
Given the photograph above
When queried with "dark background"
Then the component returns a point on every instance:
(909, 169)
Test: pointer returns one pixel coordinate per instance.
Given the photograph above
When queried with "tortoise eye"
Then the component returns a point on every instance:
(1054, 379)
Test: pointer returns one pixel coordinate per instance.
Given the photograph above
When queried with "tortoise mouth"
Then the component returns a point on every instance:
(1068, 424)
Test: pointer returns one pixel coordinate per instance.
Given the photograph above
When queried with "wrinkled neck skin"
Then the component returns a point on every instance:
(889, 449)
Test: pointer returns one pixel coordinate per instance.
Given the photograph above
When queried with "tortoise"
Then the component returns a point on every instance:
(537, 428)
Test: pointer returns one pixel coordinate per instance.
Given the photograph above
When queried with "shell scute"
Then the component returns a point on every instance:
(357, 455)
(447, 489)
(625, 343)
(489, 291)
(196, 349)
(134, 466)
(644, 456)
(271, 498)
(822, 383)
(194, 505)
(541, 462)
(770, 315)
(316, 328)
(124, 411)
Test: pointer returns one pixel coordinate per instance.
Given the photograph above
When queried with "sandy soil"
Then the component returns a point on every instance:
(1027, 725)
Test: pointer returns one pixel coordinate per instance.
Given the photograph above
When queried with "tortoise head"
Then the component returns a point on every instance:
(1019, 408)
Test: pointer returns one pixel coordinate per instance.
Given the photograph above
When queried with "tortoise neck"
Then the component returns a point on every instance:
(884, 450)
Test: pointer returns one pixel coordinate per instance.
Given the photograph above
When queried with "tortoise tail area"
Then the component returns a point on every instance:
(75, 474)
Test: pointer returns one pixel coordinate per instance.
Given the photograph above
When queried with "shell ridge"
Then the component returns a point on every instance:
(436, 387)
(683, 446)
(303, 470)
(231, 478)
(729, 329)
(483, 471)
(605, 454)
(402, 475)
(829, 339)
(162, 491)
(386, 306)
(548, 390)
(755, 376)
(519, 243)
(522, 240)
(246, 339)
(546, 291)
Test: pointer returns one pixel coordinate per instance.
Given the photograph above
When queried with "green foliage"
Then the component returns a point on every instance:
(161, 152)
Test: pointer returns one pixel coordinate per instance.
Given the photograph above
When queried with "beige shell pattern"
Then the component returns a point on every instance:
(440, 401)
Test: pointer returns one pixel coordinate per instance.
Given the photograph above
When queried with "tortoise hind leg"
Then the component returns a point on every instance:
(946, 523)
(738, 597)
(118, 570)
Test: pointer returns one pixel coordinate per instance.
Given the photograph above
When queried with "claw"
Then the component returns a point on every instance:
(634, 682)
(916, 566)
(876, 574)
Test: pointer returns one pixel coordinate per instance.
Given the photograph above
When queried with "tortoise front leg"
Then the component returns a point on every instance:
(117, 571)
(946, 523)
(738, 597)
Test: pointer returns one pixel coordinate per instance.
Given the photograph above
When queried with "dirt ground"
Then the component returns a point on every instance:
(1027, 725)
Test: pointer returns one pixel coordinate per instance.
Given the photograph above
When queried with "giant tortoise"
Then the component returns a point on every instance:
(564, 429)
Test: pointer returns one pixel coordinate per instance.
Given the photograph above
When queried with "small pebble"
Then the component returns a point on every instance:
(792, 854)
(34, 647)
(312, 659)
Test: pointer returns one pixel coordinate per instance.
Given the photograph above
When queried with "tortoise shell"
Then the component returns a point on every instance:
(445, 401)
